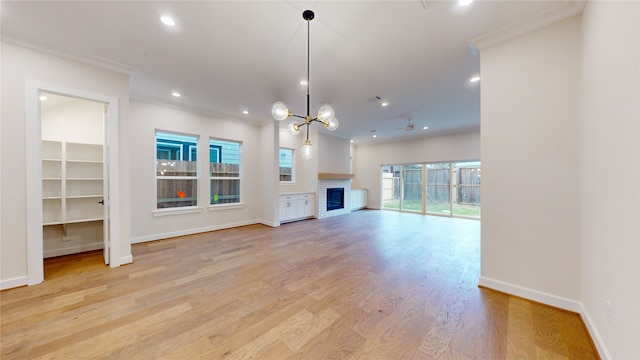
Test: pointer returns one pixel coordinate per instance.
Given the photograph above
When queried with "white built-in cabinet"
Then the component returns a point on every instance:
(297, 206)
(359, 199)
(72, 177)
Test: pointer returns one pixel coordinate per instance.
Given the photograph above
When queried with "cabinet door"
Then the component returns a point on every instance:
(283, 210)
(305, 208)
(292, 209)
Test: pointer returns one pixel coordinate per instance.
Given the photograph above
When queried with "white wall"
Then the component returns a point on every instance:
(79, 121)
(610, 174)
(334, 154)
(270, 170)
(530, 209)
(331, 154)
(146, 118)
(367, 159)
(19, 65)
(306, 171)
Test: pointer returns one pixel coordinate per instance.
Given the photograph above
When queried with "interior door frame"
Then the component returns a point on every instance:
(33, 151)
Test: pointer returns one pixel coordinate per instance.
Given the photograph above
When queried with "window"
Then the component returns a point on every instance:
(176, 170)
(224, 170)
(411, 188)
(466, 194)
(286, 165)
(391, 187)
(438, 188)
(446, 188)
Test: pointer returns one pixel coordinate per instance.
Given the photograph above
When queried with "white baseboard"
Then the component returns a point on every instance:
(595, 335)
(153, 237)
(126, 260)
(73, 249)
(552, 300)
(268, 223)
(535, 295)
(13, 283)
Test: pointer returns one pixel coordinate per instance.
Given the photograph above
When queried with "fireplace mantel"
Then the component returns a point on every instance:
(334, 176)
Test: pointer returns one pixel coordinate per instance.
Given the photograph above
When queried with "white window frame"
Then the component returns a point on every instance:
(293, 166)
(240, 203)
(181, 209)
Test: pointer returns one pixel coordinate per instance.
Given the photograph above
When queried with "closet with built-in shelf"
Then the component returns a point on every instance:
(72, 182)
(72, 176)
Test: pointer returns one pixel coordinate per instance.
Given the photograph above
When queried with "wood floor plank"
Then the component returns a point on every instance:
(520, 333)
(548, 335)
(366, 285)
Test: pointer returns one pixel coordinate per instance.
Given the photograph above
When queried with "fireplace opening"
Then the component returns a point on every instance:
(335, 198)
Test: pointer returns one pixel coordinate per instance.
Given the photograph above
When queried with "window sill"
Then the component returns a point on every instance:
(177, 211)
(227, 206)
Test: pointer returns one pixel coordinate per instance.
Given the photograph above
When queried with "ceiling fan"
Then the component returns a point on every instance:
(409, 126)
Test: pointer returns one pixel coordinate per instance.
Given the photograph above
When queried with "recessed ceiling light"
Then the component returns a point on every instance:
(304, 82)
(374, 135)
(475, 78)
(425, 128)
(245, 112)
(384, 104)
(167, 20)
(43, 97)
(353, 141)
(464, 2)
(176, 94)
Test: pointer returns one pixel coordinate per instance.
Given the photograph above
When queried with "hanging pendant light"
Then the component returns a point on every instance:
(326, 115)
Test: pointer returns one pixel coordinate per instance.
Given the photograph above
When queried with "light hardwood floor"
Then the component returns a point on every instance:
(367, 285)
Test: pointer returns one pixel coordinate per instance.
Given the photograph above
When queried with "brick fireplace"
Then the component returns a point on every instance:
(336, 182)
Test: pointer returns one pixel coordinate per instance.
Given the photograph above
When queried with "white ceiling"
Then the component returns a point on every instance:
(228, 56)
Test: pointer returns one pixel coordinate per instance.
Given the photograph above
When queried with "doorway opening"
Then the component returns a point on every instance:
(70, 162)
(73, 169)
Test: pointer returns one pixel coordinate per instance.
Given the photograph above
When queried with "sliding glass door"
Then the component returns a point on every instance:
(391, 187)
(445, 188)
(438, 189)
(411, 188)
(466, 194)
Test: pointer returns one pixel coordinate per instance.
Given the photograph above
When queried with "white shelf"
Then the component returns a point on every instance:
(72, 182)
(84, 220)
(51, 223)
(85, 196)
(84, 161)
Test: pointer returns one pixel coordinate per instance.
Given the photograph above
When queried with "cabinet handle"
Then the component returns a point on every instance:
(101, 202)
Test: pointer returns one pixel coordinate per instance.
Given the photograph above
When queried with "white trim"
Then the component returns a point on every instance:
(595, 335)
(33, 167)
(535, 295)
(230, 206)
(268, 223)
(73, 249)
(176, 211)
(126, 259)
(113, 146)
(70, 54)
(14, 282)
(141, 239)
(552, 300)
(564, 10)
(33, 137)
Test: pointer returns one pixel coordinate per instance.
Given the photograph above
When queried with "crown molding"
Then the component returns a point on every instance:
(74, 56)
(562, 11)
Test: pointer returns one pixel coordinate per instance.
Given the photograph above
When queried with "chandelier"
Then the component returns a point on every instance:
(326, 115)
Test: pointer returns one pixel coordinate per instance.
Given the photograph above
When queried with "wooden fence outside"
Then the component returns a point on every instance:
(468, 186)
(438, 187)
